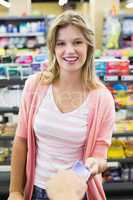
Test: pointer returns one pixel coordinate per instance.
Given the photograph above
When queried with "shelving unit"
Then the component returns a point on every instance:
(127, 134)
(9, 82)
(113, 79)
(117, 31)
(117, 75)
(13, 110)
(16, 33)
(33, 34)
(6, 143)
(29, 31)
(21, 33)
(126, 36)
(119, 190)
(124, 160)
(4, 182)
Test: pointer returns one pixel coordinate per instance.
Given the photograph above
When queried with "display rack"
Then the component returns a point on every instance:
(127, 134)
(117, 31)
(4, 184)
(6, 143)
(126, 36)
(22, 32)
(13, 81)
(19, 36)
(120, 188)
(13, 110)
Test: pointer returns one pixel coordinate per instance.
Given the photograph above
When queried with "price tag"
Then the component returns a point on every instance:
(5, 168)
(110, 78)
(127, 78)
(113, 164)
(1, 118)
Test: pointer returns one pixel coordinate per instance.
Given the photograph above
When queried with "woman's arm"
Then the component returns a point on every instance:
(104, 125)
(18, 170)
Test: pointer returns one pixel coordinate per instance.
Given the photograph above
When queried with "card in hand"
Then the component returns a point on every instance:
(81, 169)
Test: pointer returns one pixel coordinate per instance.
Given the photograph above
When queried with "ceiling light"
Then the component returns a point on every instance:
(5, 3)
(129, 4)
(62, 2)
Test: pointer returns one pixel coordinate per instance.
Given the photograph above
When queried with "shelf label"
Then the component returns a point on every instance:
(110, 78)
(113, 164)
(127, 78)
(5, 168)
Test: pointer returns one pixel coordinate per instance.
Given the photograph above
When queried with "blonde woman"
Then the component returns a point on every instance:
(66, 115)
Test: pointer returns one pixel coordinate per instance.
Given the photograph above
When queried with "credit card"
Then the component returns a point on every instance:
(81, 170)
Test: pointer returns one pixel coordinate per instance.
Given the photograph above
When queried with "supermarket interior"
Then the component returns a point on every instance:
(23, 51)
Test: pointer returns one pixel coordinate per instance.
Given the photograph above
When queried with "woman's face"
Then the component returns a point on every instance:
(70, 49)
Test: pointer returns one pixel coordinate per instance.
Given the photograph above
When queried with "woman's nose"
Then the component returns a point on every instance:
(70, 48)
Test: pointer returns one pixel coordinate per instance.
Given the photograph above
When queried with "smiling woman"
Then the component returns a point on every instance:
(66, 117)
(79, 30)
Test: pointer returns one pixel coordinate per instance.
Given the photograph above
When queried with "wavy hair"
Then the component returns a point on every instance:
(88, 73)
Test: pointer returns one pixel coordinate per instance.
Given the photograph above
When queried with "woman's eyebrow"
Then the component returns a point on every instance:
(77, 38)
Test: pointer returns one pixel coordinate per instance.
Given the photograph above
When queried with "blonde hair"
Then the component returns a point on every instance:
(88, 75)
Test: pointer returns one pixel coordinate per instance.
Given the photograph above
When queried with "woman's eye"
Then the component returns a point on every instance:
(60, 44)
(78, 42)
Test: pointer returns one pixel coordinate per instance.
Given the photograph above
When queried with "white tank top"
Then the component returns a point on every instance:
(60, 137)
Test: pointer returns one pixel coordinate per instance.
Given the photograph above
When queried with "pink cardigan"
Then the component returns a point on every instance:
(100, 125)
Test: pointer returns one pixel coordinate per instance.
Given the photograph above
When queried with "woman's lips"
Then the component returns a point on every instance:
(70, 59)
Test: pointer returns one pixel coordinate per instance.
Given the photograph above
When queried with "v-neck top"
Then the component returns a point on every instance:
(60, 140)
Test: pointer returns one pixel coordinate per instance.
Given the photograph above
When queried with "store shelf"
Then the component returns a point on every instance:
(6, 137)
(126, 35)
(13, 81)
(116, 78)
(123, 160)
(125, 134)
(22, 34)
(13, 110)
(24, 18)
(5, 168)
(124, 107)
(4, 182)
(110, 78)
(119, 187)
(125, 16)
(23, 28)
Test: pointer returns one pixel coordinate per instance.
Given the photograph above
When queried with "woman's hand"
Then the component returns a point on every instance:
(66, 184)
(15, 196)
(96, 165)
(93, 164)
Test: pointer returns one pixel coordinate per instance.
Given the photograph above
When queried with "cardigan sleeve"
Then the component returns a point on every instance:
(25, 104)
(104, 124)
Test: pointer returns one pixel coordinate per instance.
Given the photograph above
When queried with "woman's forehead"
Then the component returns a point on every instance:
(69, 31)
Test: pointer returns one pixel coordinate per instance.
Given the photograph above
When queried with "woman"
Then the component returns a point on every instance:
(66, 115)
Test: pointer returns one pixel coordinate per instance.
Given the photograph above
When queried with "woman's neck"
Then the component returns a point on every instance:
(69, 85)
(70, 82)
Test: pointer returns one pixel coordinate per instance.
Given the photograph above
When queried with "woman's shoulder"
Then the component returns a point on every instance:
(103, 93)
(31, 83)
(33, 78)
(34, 81)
